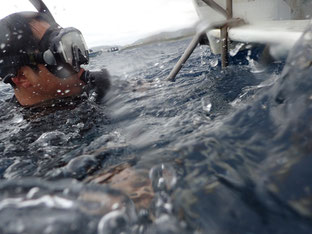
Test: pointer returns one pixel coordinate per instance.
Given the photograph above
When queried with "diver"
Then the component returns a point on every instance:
(42, 60)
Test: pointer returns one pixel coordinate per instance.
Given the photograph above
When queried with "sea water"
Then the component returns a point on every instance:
(226, 151)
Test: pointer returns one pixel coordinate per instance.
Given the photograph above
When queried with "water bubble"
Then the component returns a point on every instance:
(79, 125)
(80, 166)
(32, 192)
(19, 37)
(1, 61)
(59, 91)
(51, 138)
(214, 62)
(163, 177)
(19, 169)
(115, 206)
(114, 222)
(17, 119)
(2, 45)
(67, 90)
(236, 49)
(255, 67)
(206, 105)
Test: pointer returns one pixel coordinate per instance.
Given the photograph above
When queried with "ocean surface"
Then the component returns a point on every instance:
(217, 152)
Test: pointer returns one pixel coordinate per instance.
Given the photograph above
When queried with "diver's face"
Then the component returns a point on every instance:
(43, 83)
(35, 86)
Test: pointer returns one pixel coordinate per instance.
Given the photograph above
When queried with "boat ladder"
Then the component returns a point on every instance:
(223, 25)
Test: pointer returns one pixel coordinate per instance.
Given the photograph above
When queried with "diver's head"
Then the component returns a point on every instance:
(40, 59)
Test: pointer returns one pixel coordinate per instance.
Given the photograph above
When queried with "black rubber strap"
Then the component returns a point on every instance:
(45, 41)
(22, 60)
(15, 61)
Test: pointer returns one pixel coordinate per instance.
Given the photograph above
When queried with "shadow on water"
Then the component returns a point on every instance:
(225, 151)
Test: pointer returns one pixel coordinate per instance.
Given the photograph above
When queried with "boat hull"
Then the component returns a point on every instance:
(263, 18)
(249, 10)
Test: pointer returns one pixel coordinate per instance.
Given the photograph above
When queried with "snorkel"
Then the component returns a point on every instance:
(42, 8)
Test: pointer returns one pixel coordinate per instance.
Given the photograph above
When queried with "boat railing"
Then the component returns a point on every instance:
(223, 25)
(228, 14)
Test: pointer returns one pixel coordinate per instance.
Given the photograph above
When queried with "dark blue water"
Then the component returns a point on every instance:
(218, 151)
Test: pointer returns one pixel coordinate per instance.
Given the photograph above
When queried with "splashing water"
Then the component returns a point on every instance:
(215, 152)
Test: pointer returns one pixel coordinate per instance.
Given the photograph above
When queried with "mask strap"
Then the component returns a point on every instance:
(45, 41)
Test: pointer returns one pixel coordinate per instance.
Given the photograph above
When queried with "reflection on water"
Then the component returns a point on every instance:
(215, 152)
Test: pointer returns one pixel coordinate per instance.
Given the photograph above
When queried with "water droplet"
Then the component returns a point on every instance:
(206, 104)
(2, 45)
(255, 67)
(59, 91)
(236, 49)
(114, 222)
(163, 177)
(115, 206)
(67, 90)
(19, 37)
(32, 192)
(214, 62)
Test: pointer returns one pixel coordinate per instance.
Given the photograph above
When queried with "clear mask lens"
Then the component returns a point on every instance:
(73, 49)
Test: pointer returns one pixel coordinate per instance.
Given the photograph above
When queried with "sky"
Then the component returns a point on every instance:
(114, 22)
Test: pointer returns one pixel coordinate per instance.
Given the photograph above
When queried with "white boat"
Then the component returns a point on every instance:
(275, 22)
(93, 53)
